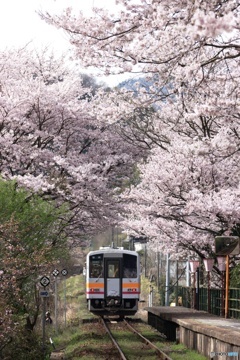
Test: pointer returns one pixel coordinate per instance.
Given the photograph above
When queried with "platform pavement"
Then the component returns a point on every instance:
(216, 333)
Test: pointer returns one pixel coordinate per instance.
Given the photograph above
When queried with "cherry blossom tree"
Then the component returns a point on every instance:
(187, 199)
(50, 142)
(189, 53)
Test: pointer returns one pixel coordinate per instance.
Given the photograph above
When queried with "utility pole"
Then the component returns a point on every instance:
(55, 274)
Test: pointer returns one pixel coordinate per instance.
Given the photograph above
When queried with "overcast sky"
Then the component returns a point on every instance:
(20, 23)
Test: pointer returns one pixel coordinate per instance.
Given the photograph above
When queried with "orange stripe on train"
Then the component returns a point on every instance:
(131, 285)
(95, 285)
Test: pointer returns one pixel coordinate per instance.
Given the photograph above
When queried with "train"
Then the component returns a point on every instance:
(113, 281)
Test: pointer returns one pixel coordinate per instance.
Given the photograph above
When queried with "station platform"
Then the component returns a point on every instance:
(210, 335)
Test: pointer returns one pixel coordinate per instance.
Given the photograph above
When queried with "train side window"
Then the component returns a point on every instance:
(113, 269)
(96, 266)
(129, 266)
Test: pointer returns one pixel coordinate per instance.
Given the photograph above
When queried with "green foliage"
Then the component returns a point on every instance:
(26, 346)
(146, 286)
(235, 277)
(132, 180)
(30, 243)
(37, 219)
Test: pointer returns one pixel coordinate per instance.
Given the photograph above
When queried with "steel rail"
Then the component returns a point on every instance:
(163, 356)
(123, 357)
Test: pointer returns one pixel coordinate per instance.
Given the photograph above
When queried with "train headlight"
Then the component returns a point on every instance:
(96, 302)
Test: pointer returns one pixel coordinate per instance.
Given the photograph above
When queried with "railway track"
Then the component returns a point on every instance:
(141, 347)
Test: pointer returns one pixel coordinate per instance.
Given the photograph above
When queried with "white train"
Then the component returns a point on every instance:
(113, 281)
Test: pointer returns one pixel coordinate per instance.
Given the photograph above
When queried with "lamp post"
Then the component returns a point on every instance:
(208, 263)
(222, 267)
(194, 267)
(226, 246)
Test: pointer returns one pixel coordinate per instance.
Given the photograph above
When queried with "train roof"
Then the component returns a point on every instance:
(110, 250)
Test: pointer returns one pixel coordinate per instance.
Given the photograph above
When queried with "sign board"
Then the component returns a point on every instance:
(64, 272)
(44, 281)
(227, 245)
(44, 293)
(55, 272)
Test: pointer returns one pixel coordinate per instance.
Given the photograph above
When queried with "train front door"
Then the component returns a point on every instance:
(113, 282)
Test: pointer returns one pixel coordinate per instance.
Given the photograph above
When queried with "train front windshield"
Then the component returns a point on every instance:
(128, 269)
(96, 266)
(129, 266)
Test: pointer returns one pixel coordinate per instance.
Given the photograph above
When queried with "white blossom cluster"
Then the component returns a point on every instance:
(189, 52)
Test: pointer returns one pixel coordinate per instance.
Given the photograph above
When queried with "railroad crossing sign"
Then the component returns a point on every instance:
(64, 272)
(55, 272)
(44, 281)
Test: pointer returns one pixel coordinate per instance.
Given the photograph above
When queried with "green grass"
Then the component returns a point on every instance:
(81, 338)
(129, 343)
(75, 298)
(187, 355)
(172, 349)
(82, 342)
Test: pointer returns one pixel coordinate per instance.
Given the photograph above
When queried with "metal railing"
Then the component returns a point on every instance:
(216, 304)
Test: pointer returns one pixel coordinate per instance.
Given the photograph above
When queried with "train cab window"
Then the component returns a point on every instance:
(113, 269)
(129, 266)
(96, 266)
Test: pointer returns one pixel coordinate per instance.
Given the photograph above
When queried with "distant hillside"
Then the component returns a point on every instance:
(134, 84)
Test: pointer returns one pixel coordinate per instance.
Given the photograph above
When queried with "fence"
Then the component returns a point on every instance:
(214, 304)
